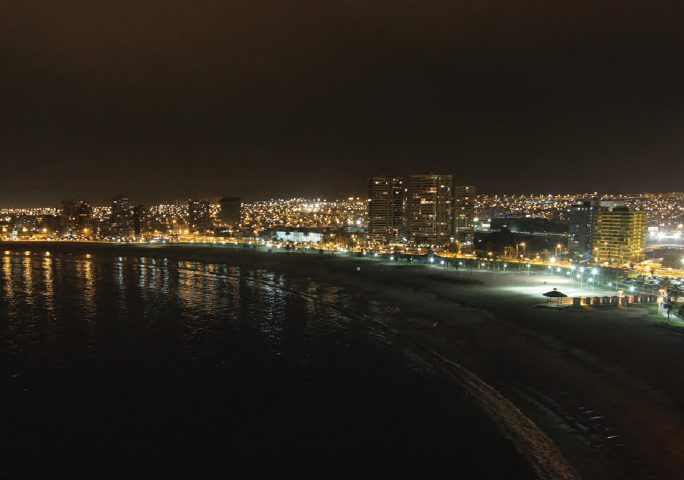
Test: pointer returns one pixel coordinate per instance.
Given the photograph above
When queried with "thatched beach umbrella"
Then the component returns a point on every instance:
(554, 294)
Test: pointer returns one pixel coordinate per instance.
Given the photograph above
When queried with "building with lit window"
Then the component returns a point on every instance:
(74, 217)
(581, 228)
(298, 236)
(121, 217)
(619, 235)
(386, 209)
(430, 209)
(199, 216)
(464, 216)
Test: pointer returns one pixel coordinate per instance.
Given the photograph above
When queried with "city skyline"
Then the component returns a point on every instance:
(392, 233)
(569, 198)
(15, 198)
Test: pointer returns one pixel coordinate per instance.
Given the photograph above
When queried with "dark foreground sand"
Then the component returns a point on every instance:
(604, 384)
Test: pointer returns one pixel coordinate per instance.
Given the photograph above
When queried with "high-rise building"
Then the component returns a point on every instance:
(121, 217)
(230, 215)
(619, 235)
(74, 216)
(199, 216)
(464, 216)
(581, 228)
(430, 209)
(139, 219)
(386, 209)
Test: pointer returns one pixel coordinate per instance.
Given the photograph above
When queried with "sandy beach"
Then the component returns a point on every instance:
(601, 382)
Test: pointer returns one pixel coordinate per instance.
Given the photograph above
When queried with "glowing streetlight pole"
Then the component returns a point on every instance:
(594, 274)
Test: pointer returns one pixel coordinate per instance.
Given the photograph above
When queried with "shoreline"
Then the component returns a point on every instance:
(548, 362)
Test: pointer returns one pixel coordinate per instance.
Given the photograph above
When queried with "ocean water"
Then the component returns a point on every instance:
(111, 363)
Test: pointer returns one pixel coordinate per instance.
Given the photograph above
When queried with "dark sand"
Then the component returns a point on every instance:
(603, 383)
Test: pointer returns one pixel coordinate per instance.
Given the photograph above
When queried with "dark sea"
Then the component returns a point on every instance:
(165, 367)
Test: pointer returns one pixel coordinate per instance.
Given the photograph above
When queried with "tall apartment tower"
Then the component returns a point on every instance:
(121, 216)
(464, 216)
(581, 228)
(230, 211)
(386, 208)
(431, 209)
(199, 216)
(619, 235)
(139, 220)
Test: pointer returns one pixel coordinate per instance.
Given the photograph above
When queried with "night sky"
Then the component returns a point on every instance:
(165, 99)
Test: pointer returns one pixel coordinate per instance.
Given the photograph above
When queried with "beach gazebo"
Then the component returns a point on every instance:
(555, 293)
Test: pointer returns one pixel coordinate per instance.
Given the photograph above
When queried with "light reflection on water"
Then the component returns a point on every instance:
(8, 281)
(27, 278)
(278, 354)
(48, 285)
(163, 313)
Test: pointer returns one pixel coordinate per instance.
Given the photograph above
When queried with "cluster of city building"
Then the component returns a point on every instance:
(666, 209)
(306, 214)
(296, 220)
(421, 212)
(431, 210)
(424, 210)
(607, 232)
(123, 220)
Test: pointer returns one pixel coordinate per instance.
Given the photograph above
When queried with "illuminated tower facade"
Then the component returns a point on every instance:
(619, 236)
(431, 209)
(121, 217)
(386, 209)
(464, 216)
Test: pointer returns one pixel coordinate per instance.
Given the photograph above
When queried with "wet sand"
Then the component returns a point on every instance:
(603, 383)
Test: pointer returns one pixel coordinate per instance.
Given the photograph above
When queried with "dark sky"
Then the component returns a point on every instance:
(259, 98)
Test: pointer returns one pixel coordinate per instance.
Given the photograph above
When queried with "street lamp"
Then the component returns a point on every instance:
(594, 276)
(580, 276)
